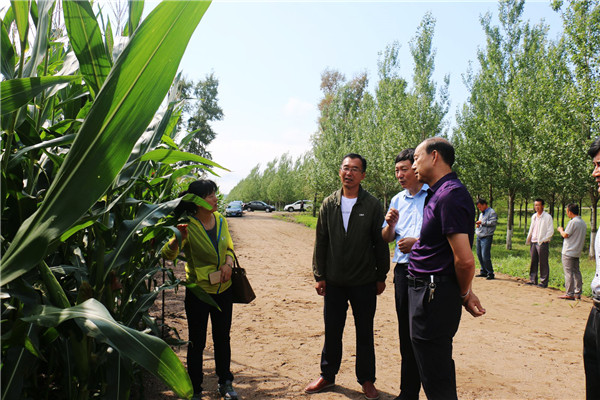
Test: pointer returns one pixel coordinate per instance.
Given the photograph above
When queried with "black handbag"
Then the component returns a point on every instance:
(240, 285)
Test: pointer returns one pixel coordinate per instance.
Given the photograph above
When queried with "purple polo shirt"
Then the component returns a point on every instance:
(450, 209)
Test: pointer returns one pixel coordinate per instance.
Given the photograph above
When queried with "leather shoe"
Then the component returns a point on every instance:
(490, 277)
(370, 391)
(481, 276)
(530, 283)
(566, 297)
(541, 285)
(318, 385)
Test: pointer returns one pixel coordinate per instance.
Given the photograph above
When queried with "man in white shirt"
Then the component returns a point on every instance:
(591, 337)
(403, 224)
(540, 233)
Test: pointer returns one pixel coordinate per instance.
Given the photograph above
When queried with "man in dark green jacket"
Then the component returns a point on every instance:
(350, 264)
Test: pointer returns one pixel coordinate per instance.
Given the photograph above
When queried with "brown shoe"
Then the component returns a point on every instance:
(566, 297)
(318, 385)
(370, 391)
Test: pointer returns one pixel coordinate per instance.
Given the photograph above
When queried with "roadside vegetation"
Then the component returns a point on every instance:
(513, 262)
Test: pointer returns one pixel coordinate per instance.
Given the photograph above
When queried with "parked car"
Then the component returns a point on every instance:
(258, 205)
(234, 209)
(299, 205)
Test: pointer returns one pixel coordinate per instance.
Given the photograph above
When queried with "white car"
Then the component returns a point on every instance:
(299, 205)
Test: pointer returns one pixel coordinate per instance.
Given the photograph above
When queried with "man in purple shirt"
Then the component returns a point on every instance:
(441, 268)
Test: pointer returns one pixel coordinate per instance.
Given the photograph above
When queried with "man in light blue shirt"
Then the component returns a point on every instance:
(403, 224)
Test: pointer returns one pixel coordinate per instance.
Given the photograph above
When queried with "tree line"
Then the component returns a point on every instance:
(532, 111)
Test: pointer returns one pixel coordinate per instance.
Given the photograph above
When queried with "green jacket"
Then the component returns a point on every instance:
(357, 257)
(201, 254)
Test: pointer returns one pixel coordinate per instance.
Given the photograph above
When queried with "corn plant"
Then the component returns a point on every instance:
(89, 164)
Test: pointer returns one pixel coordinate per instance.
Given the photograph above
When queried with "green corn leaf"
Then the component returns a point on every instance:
(148, 215)
(21, 13)
(86, 39)
(7, 54)
(40, 43)
(167, 156)
(136, 8)
(142, 75)
(147, 351)
(18, 92)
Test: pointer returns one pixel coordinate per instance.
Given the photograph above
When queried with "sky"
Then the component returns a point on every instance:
(269, 56)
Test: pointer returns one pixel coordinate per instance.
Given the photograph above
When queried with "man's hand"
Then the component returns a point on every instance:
(380, 287)
(473, 305)
(320, 287)
(392, 217)
(478, 223)
(406, 244)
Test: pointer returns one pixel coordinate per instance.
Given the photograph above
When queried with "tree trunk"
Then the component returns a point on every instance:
(520, 213)
(526, 213)
(563, 213)
(315, 205)
(594, 200)
(510, 219)
(491, 196)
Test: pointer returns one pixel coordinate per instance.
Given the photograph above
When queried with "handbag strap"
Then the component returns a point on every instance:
(236, 263)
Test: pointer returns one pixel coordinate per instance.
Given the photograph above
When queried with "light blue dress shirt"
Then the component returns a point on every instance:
(410, 218)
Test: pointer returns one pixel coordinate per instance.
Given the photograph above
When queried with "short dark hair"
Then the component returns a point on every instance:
(574, 208)
(594, 147)
(540, 200)
(481, 201)
(201, 188)
(406, 154)
(443, 147)
(355, 156)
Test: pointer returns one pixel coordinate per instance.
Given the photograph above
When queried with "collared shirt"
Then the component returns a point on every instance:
(541, 228)
(596, 281)
(448, 210)
(572, 245)
(410, 218)
(489, 220)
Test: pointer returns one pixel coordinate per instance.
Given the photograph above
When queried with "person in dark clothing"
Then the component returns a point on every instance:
(350, 265)
(441, 268)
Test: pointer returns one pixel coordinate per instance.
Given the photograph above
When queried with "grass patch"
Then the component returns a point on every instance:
(513, 262)
(302, 218)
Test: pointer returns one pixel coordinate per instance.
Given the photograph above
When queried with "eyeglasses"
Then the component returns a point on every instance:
(354, 170)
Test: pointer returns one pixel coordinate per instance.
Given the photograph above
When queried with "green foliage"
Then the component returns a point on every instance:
(203, 110)
(87, 175)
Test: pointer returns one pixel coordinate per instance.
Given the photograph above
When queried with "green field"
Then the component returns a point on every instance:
(513, 262)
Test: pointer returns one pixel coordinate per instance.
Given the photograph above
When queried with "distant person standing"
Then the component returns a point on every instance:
(486, 225)
(540, 233)
(441, 268)
(350, 265)
(403, 224)
(591, 337)
(574, 238)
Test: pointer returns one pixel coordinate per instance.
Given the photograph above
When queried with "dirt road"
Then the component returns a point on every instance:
(527, 346)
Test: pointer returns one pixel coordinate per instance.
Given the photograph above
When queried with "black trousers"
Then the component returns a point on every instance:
(433, 325)
(410, 380)
(197, 315)
(363, 300)
(591, 355)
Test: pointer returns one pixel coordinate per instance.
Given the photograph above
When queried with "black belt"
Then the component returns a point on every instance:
(416, 282)
(597, 304)
(402, 265)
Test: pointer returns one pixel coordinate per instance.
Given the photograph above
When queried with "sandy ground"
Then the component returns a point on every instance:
(527, 346)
